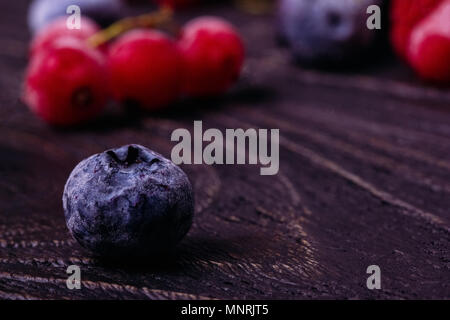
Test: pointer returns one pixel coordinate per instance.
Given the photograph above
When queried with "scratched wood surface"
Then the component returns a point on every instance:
(364, 179)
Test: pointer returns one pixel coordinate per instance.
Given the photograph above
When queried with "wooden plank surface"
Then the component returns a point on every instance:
(364, 179)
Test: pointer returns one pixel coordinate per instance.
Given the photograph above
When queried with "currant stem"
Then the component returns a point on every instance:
(149, 20)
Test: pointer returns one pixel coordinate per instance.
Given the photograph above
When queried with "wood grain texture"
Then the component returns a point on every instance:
(364, 179)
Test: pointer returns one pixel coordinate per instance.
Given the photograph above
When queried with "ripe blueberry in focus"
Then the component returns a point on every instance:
(57, 29)
(42, 12)
(325, 30)
(213, 55)
(145, 67)
(66, 84)
(128, 201)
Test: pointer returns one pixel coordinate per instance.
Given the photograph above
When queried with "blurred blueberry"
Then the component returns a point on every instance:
(325, 31)
(42, 12)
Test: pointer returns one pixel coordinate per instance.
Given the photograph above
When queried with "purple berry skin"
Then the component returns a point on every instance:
(41, 12)
(128, 202)
(325, 31)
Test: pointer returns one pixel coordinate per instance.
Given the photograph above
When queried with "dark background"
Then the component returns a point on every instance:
(364, 179)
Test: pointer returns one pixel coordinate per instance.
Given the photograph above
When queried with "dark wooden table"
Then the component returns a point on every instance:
(364, 179)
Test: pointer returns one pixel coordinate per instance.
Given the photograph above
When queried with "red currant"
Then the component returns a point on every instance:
(405, 15)
(58, 29)
(213, 54)
(429, 48)
(66, 84)
(145, 67)
(176, 3)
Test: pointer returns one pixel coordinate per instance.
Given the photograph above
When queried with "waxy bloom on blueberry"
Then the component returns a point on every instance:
(128, 202)
(66, 84)
(213, 55)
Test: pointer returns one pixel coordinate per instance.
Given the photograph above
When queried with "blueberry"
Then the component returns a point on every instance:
(41, 12)
(325, 30)
(129, 202)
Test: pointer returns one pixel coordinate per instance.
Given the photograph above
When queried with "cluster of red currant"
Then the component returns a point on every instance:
(73, 72)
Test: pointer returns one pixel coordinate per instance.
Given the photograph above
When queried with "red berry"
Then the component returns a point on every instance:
(66, 84)
(405, 15)
(213, 54)
(429, 49)
(145, 67)
(176, 3)
(58, 29)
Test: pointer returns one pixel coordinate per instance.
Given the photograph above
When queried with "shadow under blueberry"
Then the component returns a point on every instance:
(192, 251)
